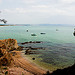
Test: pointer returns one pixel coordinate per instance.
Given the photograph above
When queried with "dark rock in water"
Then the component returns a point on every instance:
(38, 41)
(33, 48)
(74, 33)
(31, 42)
(33, 58)
(30, 52)
(27, 51)
(24, 43)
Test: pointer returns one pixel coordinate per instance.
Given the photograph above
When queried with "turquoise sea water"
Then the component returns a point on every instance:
(59, 45)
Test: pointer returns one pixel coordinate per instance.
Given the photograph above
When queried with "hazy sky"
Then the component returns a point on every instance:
(38, 11)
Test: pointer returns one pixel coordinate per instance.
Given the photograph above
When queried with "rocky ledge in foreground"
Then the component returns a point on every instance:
(11, 62)
(6, 46)
(66, 71)
(20, 68)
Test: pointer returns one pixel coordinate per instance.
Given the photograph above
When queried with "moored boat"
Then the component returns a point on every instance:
(33, 34)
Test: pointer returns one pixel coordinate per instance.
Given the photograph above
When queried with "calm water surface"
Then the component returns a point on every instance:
(59, 46)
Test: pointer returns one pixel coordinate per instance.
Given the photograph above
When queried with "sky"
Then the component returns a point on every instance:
(38, 11)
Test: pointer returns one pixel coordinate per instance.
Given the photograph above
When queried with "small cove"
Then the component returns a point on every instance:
(57, 49)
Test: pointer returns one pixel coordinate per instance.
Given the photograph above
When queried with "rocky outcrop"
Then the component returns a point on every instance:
(74, 33)
(17, 64)
(66, 71)
(31, 42)
(9, 44)
(6, 46)
(30, 52)
(5, 57)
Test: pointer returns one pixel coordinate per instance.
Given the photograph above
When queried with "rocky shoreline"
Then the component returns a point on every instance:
(11, 59)
(12, 63)
(30, 49)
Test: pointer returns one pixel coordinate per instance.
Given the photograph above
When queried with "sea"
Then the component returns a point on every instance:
(58, 43)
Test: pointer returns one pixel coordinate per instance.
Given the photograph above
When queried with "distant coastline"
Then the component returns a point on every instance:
(6, 25)
(36, 24)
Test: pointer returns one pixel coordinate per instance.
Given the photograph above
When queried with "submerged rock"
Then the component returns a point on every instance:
(27, 51)
(33, 58)
(31, 42)
(33, 48)
(30, 52)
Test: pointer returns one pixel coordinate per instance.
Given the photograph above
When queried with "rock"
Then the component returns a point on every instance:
(66, 71)
(74, 33)
(30, 52)
(13, 53)
(47, 73)
(6, 46)
(33, 58)
(5, 57)
(31, 42)
(27, 51)
(20, 48)
(9, 44)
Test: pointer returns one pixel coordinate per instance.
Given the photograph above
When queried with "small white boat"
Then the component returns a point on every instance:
(57, 30)
(33, 34)
(42, 33)
(27, 30)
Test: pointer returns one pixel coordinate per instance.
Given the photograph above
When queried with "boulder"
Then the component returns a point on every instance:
(27, 51)
(30, 52)
(33, 58)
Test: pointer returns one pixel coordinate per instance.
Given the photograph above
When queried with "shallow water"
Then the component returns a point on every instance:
(59, 46)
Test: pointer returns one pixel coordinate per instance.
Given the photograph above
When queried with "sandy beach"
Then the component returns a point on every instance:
(26, 65)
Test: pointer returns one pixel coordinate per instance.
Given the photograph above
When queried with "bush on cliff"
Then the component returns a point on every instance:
(9, 44)
(5, 47)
